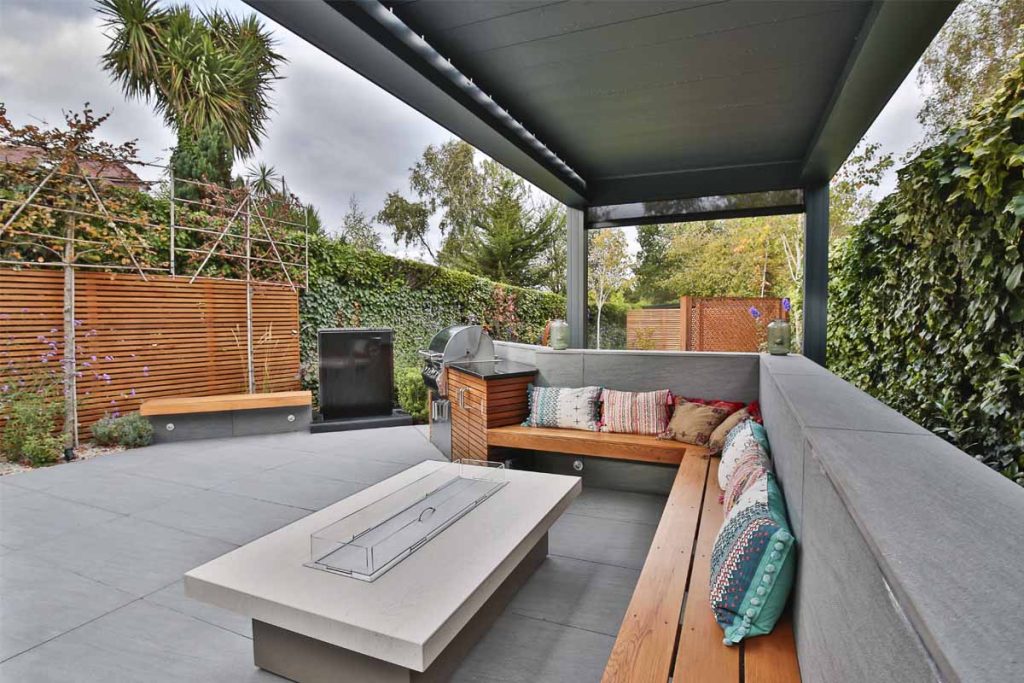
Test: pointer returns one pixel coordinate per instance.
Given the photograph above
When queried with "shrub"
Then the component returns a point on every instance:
(926, 309)
(31, 435)
(131, 431)
(412, 393)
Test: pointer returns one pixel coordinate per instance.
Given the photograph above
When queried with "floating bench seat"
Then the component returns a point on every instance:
(654, 642)
(205, 417)
(595, 444)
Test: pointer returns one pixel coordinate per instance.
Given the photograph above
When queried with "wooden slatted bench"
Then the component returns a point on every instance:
(596, 444)
(669, 630)
(204, 417)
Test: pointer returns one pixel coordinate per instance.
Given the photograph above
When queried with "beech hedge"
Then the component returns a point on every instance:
(927, 298)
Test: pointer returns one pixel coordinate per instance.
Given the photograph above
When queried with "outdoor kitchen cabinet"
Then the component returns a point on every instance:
(483, 396)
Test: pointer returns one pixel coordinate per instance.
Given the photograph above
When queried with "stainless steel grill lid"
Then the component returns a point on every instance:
(462, 342)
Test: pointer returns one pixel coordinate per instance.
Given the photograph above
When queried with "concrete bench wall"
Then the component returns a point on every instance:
(910, 550)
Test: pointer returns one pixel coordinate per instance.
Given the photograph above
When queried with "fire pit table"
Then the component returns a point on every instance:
(395, 583)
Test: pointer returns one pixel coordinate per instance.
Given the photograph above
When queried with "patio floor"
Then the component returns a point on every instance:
(92, 554)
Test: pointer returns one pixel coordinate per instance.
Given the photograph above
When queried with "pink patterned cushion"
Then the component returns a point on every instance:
(629, 412)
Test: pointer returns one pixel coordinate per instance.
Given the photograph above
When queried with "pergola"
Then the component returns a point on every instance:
(644, 112)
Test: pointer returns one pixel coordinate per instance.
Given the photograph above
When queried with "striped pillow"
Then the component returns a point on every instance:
(628, 412)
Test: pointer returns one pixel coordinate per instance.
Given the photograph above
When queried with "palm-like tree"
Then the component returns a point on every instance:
(203, 72)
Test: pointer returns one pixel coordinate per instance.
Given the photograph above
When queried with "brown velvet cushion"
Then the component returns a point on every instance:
(718, 436)
(694, 423)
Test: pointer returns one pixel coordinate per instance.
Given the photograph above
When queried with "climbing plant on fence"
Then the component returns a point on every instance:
(927, 295)
(350, 287)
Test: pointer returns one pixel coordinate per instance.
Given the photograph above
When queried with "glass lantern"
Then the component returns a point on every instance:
(779, 339)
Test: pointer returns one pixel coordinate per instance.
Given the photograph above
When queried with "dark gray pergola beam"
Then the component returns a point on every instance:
(352, 33)
(718, 207)
(894, 36)
(816, 229)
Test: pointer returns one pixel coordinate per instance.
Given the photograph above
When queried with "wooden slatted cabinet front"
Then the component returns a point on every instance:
(477, 404)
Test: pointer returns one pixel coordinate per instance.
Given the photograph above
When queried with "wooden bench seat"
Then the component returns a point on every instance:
(660, 639)
(224, 403)
(595, 444)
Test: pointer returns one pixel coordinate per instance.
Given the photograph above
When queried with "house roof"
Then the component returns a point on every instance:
(113, 172)
(613, 102)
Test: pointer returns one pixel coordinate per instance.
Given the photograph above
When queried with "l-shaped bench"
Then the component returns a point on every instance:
(669, 631)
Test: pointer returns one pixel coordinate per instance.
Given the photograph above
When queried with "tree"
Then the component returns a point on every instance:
(609, 268)
(209, 75)
(446, 181)
(554, 258)
(509, 236)
(850, 199)
(653, 263)
(967, 60)
(357, 229)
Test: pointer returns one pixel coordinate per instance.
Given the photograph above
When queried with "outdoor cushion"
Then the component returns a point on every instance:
(747, 476)
(717, 440)
(635, 412)
(694, 423)
(729, 406)
(563, 407)
(738, 442)
(752, 563)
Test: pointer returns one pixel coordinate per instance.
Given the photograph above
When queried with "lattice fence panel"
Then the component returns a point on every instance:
(725, 323)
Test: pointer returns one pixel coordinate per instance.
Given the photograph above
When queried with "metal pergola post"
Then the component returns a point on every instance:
(816, 229)
(576, 270)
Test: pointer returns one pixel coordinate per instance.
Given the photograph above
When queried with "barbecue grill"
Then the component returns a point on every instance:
(455, 344)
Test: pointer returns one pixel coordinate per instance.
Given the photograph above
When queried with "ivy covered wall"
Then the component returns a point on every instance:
(354, 288)
(926, 304)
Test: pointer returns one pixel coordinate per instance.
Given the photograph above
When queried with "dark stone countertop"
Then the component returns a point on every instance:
(495, 369)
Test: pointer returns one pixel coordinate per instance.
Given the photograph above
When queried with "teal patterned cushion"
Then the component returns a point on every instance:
(753, 563)
(564, 407)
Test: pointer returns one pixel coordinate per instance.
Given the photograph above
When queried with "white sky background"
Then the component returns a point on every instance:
(333, 134)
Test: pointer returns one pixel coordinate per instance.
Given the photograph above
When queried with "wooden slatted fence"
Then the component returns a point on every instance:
(702, 324)
(141, 339)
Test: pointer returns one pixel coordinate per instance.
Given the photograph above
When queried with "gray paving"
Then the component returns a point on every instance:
(92, 553)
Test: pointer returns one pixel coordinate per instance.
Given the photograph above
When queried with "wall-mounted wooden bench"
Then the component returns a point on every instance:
(596, 444)
(207, 417)
(660, 639)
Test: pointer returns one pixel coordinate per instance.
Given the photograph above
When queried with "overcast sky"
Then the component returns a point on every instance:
(333, 133)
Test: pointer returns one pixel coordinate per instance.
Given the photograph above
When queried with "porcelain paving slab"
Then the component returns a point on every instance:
(408, 615)
(42, 600)
(296, 489)
(131, 554)
(34, 518)
(623, 544)
(139, 642)
(119, 492)
(224, 516)
(344, 468)
(519, 649)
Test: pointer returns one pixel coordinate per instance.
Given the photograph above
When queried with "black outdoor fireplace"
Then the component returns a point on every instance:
(357, 380)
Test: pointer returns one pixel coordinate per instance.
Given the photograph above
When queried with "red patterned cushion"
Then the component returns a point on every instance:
(628, 412)
(729, 407)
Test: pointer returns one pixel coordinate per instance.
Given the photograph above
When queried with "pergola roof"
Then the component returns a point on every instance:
(613, 102)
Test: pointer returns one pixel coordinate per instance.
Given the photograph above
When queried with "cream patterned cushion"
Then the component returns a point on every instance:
(564, 407)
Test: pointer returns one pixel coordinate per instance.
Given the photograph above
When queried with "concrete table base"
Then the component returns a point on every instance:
(308, 660)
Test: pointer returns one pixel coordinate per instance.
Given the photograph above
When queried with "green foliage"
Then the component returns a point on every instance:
(203, 71)
(967, 60)
(510, 237)
(850, 200)
(357, 229)
(609, 268)
(927, 301)
(412, 393)
(204, 157)
(131, 430)
(352, 288)
(30, 434)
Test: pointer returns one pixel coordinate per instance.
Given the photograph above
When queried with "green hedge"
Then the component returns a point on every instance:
(927, 299)
(354, 288)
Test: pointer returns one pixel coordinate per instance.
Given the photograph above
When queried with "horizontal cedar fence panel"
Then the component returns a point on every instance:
(139, 339)
(653, 328)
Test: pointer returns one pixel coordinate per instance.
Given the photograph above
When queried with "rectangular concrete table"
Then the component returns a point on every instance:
(414, 623)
